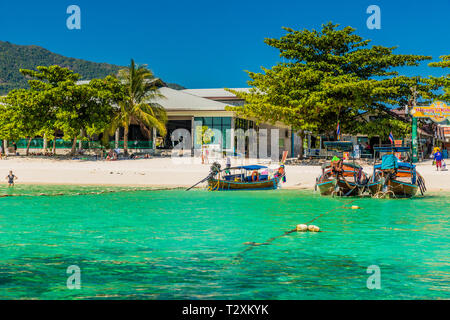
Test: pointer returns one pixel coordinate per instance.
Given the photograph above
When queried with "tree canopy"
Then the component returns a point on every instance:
(135, 101)
(328, 76)
(443, 81)
(56, 102)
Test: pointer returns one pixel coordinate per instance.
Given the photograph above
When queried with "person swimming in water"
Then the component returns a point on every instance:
(11, 177)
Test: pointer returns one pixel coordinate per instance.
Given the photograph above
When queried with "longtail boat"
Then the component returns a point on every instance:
(351, 182)
(400, 180)
(348, 180)
(251, 177)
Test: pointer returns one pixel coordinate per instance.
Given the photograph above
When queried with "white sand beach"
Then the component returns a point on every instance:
(163, 172)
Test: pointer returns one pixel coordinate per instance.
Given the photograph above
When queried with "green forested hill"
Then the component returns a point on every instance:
(14, 57)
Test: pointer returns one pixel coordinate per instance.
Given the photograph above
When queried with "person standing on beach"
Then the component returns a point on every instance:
(438, 159)
(11, 178)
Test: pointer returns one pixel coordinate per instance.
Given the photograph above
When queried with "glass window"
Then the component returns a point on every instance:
(226, 122)
(217, 122)
(207, 121)
(224, 138)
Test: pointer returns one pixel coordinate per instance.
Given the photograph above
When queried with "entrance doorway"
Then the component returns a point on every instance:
(171, 126)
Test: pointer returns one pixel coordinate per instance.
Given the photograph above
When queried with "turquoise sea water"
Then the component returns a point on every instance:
(190, 245)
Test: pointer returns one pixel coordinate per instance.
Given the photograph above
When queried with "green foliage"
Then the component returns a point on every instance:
(72, 108)
(381, 126)
(443, 81)
(444, 63)
(329, 75)
(55, 102)
(21, 114)
(135, 100)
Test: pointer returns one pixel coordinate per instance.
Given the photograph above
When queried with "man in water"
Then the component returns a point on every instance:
(11, 177)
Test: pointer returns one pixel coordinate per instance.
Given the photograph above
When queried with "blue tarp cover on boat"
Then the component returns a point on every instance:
(389, 161)
(399, 164)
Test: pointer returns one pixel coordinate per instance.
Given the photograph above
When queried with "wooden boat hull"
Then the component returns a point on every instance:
(224, 185)
(339, 188)
(396, 188)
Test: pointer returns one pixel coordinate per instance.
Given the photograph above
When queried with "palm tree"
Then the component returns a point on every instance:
(137, 106)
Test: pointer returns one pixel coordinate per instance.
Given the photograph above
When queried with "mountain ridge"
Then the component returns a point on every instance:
(14, 57)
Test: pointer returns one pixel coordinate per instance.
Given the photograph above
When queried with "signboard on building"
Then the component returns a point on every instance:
(446, 131)
(437, 112)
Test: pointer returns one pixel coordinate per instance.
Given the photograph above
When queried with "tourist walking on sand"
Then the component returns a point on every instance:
(11, 178)
(438, 159)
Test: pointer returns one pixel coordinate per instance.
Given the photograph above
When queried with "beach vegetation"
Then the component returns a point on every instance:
(443, 81)
(136, 103)
(56, 103)
(330, 76)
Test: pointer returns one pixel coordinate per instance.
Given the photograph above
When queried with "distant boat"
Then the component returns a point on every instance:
(401, 182)
(350, 183)
(251, 177)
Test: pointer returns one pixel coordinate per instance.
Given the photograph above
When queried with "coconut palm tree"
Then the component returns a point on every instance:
(138, 106)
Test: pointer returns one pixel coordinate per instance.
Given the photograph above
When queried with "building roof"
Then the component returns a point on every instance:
(216, 93)
(179, 100)
(175, 100)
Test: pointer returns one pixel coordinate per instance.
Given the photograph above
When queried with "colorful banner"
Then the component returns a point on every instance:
(437, 112)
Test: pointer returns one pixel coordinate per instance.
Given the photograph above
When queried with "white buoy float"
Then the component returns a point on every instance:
(302, 227)
(313, 228)
(356, 207)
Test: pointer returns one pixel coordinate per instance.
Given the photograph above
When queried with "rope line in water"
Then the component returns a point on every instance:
(84, 193)
(251, 245)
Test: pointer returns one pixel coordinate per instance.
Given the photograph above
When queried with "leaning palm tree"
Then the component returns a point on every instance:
(138, 106)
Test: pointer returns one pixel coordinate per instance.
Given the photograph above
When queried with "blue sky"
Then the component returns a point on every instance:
(208, 44)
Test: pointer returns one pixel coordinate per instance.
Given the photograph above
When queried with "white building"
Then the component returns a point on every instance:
(196, 109)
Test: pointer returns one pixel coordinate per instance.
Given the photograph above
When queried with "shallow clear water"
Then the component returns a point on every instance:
(190, 245)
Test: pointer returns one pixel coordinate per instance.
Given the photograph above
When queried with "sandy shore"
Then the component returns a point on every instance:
(162, 172)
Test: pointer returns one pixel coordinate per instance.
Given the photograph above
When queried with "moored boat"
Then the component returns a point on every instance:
(349, 182)
(340, 178)
(394, 179)
(250, 177)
